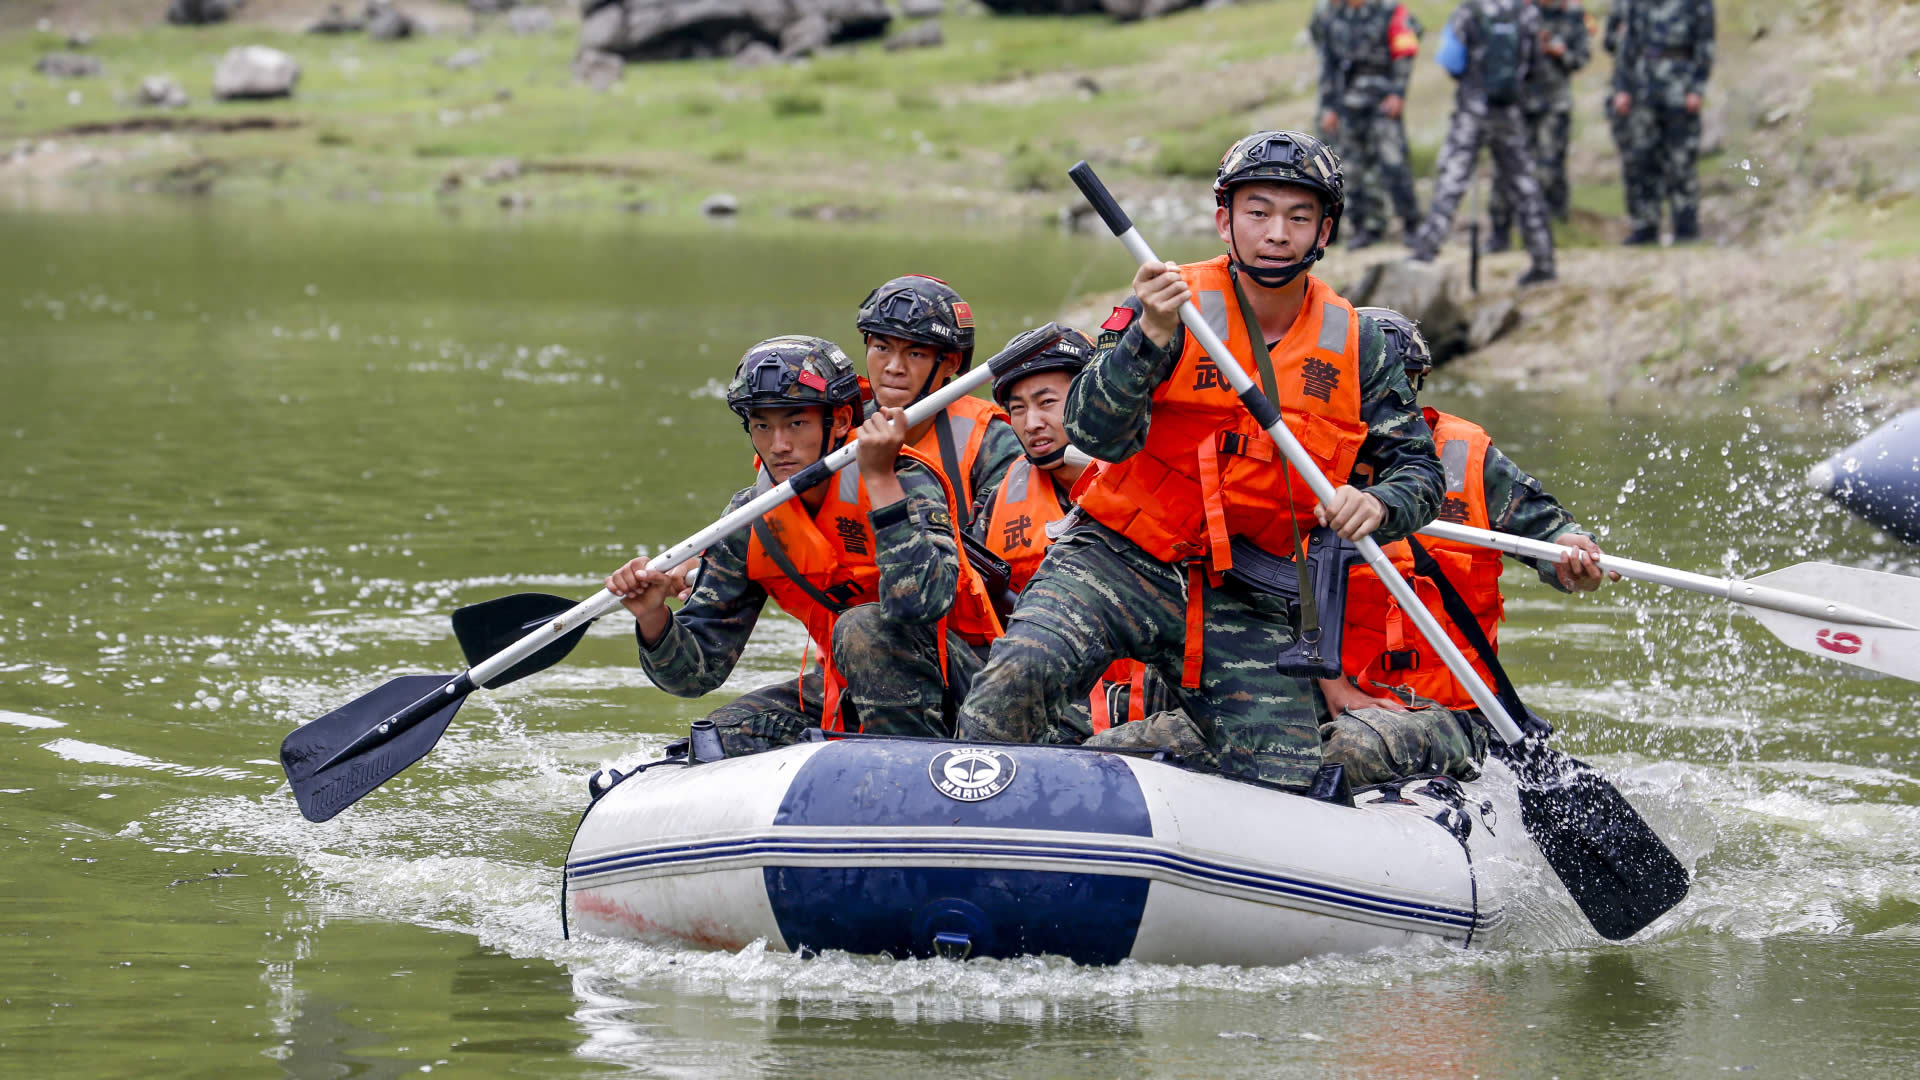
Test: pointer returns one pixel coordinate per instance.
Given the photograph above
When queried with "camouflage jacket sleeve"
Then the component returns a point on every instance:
(1621, 35)
(1615, 26)
(1398, 452)
(1703, 48)
(704, 639)
(1519, 506)
(1110, 402)
(997, 453)
(1330, 66)
(1579, 43)
(915, 550)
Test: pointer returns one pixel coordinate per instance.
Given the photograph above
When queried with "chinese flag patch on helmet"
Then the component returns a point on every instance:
(962, 314)
(811, 380)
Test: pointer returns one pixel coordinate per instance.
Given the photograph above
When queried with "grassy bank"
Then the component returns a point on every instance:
(1814, 120)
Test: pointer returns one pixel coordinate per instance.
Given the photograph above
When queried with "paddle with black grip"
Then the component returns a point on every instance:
(334, 761)
(1613, 864)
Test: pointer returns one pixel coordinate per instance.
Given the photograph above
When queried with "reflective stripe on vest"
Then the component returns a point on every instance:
(1016, 527)
(1379, 649)
(967, 421)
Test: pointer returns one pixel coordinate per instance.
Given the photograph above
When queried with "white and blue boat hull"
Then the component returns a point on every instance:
(913, 848)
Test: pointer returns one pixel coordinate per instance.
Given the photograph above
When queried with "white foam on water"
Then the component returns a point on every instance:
(28, 720)
(87, 753)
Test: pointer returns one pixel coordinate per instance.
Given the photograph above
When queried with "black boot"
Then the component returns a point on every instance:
(1645, 234)
(1498, 240)
(1362, 238)
(1539, 275)
(1686, 227)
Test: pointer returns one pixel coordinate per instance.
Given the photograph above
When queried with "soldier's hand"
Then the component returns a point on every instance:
(644, 592)
(1391, 105)
(1161, 290)
(1622, 101)
(1553, 47)
(1578, 570)
(1343, 696)
(880, 440)
(680, 579)
(1329, 121)
(1693, 103)
(1353, 513)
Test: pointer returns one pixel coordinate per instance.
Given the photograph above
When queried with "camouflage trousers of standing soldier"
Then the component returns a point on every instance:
(1373, 155)
(1100, 598)
(1503, 132)
(893, 687)
(1548, 132)
(1635, 135)
(1664, 161)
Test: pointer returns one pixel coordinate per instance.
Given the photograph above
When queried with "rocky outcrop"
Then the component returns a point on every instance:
(1425, 293)
(201, 12)
(62, 65)
(687, 29)
(251, 72)
(386, 22)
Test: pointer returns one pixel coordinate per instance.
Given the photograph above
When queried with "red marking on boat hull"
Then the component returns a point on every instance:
(703, 932)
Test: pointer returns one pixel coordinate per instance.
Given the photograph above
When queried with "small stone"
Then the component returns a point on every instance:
(501, 171)
(336, 21)
(449, 184)
(68, 66)
(160, 91)
(388, 23)
(756, 54)
(720, 204)
(515, 200)
(464, 59)
(596, 69)
(79, 39)
(527, 21)
(253, 72)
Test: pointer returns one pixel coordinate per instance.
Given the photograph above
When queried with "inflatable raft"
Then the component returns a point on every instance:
(1878, 477)
(914, 847)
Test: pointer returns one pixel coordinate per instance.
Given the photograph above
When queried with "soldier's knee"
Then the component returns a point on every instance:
(1380, 745)
(863, 632)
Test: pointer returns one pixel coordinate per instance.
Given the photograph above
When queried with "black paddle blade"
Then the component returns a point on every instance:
(323, 789)
(485, 629)
(1614, 865)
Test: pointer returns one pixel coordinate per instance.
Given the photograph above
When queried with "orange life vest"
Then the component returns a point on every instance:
(830, 567)
(1380, 648)
(954, 443)
(1207, 472)
(1025, 503)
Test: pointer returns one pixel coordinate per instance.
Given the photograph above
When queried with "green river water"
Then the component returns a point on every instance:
(250, 459)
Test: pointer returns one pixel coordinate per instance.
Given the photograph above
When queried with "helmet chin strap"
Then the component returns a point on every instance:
(1277, 277)
(1066, 455)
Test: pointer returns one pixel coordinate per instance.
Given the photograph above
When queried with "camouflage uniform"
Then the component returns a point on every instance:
(1357, 73)
(1501, 128)
(886, 651)
(1547, 104)
(1378, 745)
(1100, 597)
(1630, 132)
(1663, 52)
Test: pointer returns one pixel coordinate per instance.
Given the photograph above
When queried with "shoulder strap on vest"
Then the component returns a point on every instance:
(1457, 610)
(778, 553)
(949, 453)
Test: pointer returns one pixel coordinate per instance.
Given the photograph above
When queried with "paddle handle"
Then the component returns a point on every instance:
(1740, 592)
(1017, 351)
(1268, 417)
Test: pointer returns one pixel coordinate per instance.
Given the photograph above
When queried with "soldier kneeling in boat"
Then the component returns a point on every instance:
(870, 562)
(1397, 710)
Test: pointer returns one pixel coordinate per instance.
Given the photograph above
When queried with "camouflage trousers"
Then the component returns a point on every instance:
(1503, 132)
(1548, 133)
(1381, 745)
(1100, 598)
(1660, 162)
(893, 687)
(1373, 155)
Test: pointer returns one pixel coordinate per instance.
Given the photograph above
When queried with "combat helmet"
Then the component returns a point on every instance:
(920, 308)
(1283, 157)
(791, 371)
(1405, 335)
(1069, 354)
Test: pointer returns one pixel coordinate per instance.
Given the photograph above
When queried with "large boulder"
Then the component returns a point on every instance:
(254, 71)
(683, 29)
(201, 12)
(1423, 292)
(386, 22)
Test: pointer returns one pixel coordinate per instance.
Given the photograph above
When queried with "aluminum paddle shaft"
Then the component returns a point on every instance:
(1268, 417)
(1021, 348)
(1750, 593)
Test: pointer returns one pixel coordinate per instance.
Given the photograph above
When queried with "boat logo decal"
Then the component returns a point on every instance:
(970, 773)
(1837, 641)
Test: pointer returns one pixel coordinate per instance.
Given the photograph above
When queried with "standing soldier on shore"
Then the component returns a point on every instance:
(1547, 105)
(1663, 58)
(1367, 48)
(1488, 46)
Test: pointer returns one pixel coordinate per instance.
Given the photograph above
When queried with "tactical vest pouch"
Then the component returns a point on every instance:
(1317, 656)
(994, 573)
